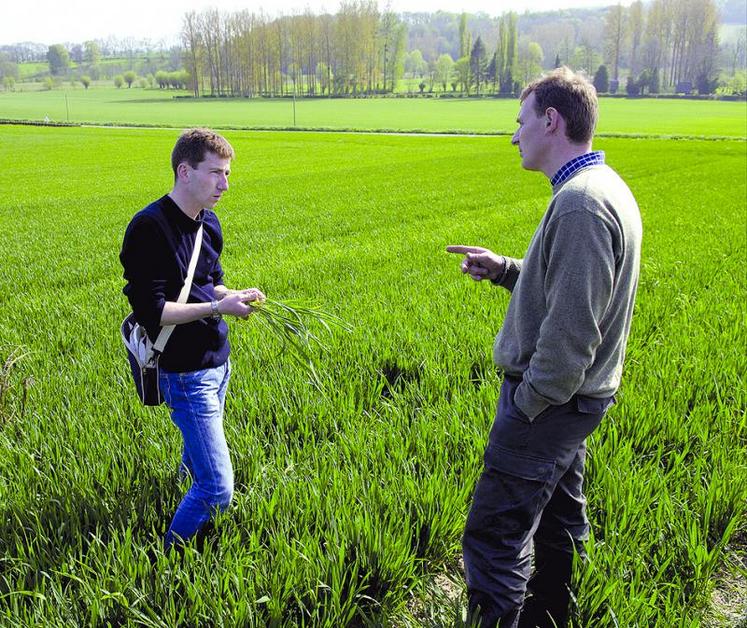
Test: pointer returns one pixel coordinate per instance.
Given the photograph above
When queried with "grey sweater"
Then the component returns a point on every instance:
(572, 298)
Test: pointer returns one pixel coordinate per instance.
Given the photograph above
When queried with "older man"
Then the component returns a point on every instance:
(561, 349)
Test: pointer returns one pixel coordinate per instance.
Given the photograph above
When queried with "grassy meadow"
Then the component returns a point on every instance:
(350, 502)
(159, 107)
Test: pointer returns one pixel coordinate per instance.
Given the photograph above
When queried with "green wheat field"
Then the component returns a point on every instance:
(350, 501)
(108, 105)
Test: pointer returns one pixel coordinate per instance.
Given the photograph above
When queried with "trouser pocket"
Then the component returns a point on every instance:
(511, 491)
(594, 405)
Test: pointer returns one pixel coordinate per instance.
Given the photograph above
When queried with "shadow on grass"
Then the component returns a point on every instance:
(50, 531)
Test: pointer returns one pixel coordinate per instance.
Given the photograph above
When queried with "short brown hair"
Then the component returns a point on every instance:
(194, 143)
(572, 95)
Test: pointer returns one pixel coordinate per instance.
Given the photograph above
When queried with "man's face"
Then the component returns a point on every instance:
(530, 136)
(209, 180)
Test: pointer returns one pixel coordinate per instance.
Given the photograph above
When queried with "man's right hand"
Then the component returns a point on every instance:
(238, 303)
(479, 263)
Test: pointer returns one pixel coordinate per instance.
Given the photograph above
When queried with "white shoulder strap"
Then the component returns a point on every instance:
(163, 335)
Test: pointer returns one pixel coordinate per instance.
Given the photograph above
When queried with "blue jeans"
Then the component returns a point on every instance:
(530, 493)
(196, 400)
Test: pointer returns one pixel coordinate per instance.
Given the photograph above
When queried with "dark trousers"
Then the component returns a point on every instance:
(530, 493)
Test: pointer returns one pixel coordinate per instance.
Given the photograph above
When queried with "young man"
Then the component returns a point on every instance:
(561, 349)
(194, 367)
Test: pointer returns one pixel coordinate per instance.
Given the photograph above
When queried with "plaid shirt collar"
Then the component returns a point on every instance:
(594, 158)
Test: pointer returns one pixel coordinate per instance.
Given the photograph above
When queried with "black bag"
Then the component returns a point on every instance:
(143, 361)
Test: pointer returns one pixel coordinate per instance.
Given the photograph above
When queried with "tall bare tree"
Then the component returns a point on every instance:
(635, 26)
(192, 42)
(616, 29)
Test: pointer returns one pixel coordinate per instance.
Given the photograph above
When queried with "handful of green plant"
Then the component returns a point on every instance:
(291, 323)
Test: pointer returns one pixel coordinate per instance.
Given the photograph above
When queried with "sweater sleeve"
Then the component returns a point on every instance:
(143, 257)
(510, 274)
(579, 256)
(217, 274)
(215, 234)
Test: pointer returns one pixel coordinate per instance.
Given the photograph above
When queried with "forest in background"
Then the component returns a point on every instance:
(662, 46)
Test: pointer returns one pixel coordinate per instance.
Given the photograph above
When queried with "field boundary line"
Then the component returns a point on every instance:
(353, 130)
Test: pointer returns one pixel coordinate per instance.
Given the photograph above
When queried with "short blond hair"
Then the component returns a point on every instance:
(572, 95)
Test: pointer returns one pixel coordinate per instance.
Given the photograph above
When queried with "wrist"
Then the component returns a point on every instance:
(500, 273)
(215, 312)
(220, 292)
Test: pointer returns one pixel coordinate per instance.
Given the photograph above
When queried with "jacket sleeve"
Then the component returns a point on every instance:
(579, 255)
(144, 257)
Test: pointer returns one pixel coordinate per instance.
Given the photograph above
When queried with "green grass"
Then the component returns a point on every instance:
(157, 107)
(348, 502)
(31, 68)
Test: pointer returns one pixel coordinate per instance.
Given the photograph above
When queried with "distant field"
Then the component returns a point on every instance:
(29, 69)
(730, 33)
(158, 107)
(348, 503)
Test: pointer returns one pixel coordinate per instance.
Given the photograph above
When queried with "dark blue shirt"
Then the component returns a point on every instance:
(155, 254)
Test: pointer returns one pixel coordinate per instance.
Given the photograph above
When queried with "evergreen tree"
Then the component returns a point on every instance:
(602, 80)
(492, 67)
(478, 63)
(632, 87)
(654, 86)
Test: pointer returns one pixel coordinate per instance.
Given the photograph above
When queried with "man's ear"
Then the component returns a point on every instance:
(552, 118)
(182, 172)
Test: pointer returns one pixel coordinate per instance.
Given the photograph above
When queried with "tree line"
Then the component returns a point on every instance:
(356, 51)
(660, 46)
(644, 48)
(665, 45)
(118, 62)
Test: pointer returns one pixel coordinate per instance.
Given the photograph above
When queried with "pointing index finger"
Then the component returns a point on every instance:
(463, 250)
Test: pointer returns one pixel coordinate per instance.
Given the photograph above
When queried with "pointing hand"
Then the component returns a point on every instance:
(479, 263)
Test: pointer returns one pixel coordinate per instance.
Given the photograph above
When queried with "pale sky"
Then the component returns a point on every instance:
(74, 21)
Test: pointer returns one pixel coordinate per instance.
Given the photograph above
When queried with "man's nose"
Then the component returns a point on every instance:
(515, 138)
